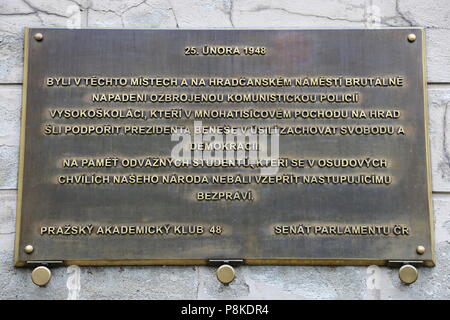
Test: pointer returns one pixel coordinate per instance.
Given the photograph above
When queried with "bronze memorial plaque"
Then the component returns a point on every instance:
(186, 146)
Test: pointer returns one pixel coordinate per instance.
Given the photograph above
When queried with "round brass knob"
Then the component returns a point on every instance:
(41, 276)
(225, 274)
(408, 274)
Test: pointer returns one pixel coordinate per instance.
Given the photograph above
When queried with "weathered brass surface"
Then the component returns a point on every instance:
(408, 274)
(241, 229)
(225, 274)
(41, 276)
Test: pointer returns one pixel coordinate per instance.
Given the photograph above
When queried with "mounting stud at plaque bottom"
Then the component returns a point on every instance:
(408, 274)
(225, 274)
(41, 276)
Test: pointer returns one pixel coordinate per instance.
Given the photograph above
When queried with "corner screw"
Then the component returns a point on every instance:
(411, 37)
(28, 249)
(38, 36)
(420, 249)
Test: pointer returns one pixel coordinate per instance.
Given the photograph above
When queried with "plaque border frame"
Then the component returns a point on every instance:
(245, 261)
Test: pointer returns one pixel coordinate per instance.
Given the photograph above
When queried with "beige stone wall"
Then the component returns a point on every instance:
(199, 282)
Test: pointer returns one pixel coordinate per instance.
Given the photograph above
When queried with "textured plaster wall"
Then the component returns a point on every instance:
(199, 282)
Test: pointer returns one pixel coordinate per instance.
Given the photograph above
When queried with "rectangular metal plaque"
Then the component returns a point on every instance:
(185, 146)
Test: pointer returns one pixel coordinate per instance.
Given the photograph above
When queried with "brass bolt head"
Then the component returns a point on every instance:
(38, 36)
(225, 274)
(411, 37)
(28, 249)
(408, 274)
(420, 249)
(41, 276)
